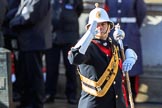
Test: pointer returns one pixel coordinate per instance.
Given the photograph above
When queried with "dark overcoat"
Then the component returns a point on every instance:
(34, 27)
(8, 33)
(68, 31)
(3, 11)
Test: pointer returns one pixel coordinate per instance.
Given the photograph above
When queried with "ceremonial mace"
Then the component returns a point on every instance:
(119, 35)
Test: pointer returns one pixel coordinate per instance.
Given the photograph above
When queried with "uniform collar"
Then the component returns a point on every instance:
(105, 43)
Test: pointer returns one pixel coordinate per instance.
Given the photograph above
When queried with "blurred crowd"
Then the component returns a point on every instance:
(31, 29)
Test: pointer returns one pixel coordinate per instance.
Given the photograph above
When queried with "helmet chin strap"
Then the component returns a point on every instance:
(106, 32)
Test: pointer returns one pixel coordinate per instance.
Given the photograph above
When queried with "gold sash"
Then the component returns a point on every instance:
(108, 76)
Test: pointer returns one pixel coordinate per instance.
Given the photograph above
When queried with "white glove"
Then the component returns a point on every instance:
(130, 60)
(86, 39)
(71, 55)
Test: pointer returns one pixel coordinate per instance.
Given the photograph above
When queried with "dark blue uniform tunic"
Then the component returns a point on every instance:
(92, 65)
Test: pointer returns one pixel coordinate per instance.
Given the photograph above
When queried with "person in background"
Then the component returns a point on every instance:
(10, 42)
(65, 35)
(130, 15)
(3, 11)
(32, 23)
(98, 58)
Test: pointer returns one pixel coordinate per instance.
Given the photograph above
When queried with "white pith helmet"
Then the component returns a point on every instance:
(99, 15)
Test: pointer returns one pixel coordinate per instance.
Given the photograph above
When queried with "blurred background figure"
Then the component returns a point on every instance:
(65, 35)
(31, 22)
(3, 11)
(130, 15)
(10, 42)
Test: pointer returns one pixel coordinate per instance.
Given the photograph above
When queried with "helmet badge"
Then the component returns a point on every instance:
(98, 14)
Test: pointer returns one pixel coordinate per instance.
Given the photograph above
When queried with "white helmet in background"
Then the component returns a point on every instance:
(99, 15)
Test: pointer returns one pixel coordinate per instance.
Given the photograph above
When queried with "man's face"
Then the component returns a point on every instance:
(103, 30)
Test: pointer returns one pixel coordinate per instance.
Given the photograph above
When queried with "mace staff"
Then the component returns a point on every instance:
(119, 35)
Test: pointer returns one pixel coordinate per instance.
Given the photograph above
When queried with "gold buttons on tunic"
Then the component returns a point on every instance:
(116, 96)
(122, 81)
(105, 44)
(114, 82)
(119, 1)
(119, 11)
